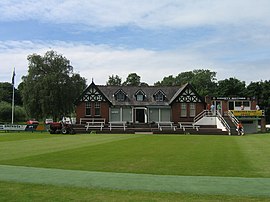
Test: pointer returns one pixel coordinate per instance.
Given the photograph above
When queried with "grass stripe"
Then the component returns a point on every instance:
(28, 147)
(143, 182)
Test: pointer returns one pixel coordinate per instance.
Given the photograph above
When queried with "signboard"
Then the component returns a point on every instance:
(231, 98)
(13, 127)
(247, 112)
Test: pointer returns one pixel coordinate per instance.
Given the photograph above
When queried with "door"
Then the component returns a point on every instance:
(231, 105)
(218, 105)
(140, 116)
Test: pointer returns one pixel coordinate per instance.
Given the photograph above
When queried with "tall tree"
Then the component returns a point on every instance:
(231, 87)
(202, 79)
(51, 87)
(132, 80)
(114, 81)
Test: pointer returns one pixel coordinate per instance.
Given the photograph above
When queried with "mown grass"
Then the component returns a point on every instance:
(246, 156)
(24, 192)
(171, 155)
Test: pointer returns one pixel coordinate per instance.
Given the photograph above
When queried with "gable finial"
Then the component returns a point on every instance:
(92, 80)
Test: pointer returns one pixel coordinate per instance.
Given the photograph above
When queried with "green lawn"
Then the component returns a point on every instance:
(176, 155)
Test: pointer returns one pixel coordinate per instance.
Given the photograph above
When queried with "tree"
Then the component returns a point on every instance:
(231, 87)
(114, 81)
(5, 112)
(51, 87)
(204, 81)
(167, 81)
(132, 80)
(6, 90)
(261, 90)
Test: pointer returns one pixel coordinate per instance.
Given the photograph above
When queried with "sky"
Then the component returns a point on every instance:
(153, 38)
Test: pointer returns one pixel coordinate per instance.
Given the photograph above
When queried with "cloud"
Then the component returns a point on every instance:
(101, 61)
(98, 14)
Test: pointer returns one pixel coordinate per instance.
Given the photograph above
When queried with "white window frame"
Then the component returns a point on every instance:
(88, 108)
(192, 109)
(97, 109)
(183, 112)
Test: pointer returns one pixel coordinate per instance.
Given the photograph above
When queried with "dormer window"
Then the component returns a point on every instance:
(120, 96)
(140, 95)
(159, 96)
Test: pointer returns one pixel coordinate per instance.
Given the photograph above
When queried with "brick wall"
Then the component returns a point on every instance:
(104, 111)
(176, 112)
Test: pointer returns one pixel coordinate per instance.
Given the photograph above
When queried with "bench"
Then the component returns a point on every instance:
(117, 124)
(184, 125)
(84, 120)
(95, 123)
(164, 124)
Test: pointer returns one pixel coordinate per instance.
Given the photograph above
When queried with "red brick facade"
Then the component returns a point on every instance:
(104, 111)
(176, 112)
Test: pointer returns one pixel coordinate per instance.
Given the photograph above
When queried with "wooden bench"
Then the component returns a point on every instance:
(184, 125)
(117, 124)
(166, 124)
(95, 123)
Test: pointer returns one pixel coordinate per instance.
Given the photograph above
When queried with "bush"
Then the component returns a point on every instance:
(6, 110)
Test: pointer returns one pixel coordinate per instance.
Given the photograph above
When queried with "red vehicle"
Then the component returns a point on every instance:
(32, 122)
(61, 127)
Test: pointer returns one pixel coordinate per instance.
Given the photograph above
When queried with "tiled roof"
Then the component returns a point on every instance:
(149, 91)
(108, 93)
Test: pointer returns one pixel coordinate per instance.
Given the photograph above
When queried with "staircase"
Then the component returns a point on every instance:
(231, 124)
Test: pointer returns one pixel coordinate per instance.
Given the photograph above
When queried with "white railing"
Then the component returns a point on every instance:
(201, 115)
(224, 123)
(233, 118)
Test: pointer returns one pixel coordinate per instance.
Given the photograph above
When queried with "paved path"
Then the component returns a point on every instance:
(145, 182)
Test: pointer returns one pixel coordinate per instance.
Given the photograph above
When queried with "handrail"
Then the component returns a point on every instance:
(233, 118)
(200, 115)
(225, 124)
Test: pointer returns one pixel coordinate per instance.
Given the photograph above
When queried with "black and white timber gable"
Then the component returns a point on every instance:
(187, 94)
(92, 94)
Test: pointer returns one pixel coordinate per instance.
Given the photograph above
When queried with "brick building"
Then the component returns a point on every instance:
(139, 104)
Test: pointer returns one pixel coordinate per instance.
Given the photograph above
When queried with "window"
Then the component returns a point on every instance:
(159, 97)
(246, 103)
(183, 110)
(192, 109)
(88, 108)
(97, 108)
(120, 96)
(238, 103)
(139, 97)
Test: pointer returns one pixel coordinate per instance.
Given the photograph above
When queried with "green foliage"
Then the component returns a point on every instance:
(261, 90)
(231, 87)
(51, 87)
(132, 80)
(204, 81)
(6, 91)
(6, 110)
(114, 81)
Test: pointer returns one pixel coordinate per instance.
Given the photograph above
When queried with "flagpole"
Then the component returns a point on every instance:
(12, 116)
(13, 96)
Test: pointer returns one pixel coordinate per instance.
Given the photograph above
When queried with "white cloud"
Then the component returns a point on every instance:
(100, 61)
(145, 14)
